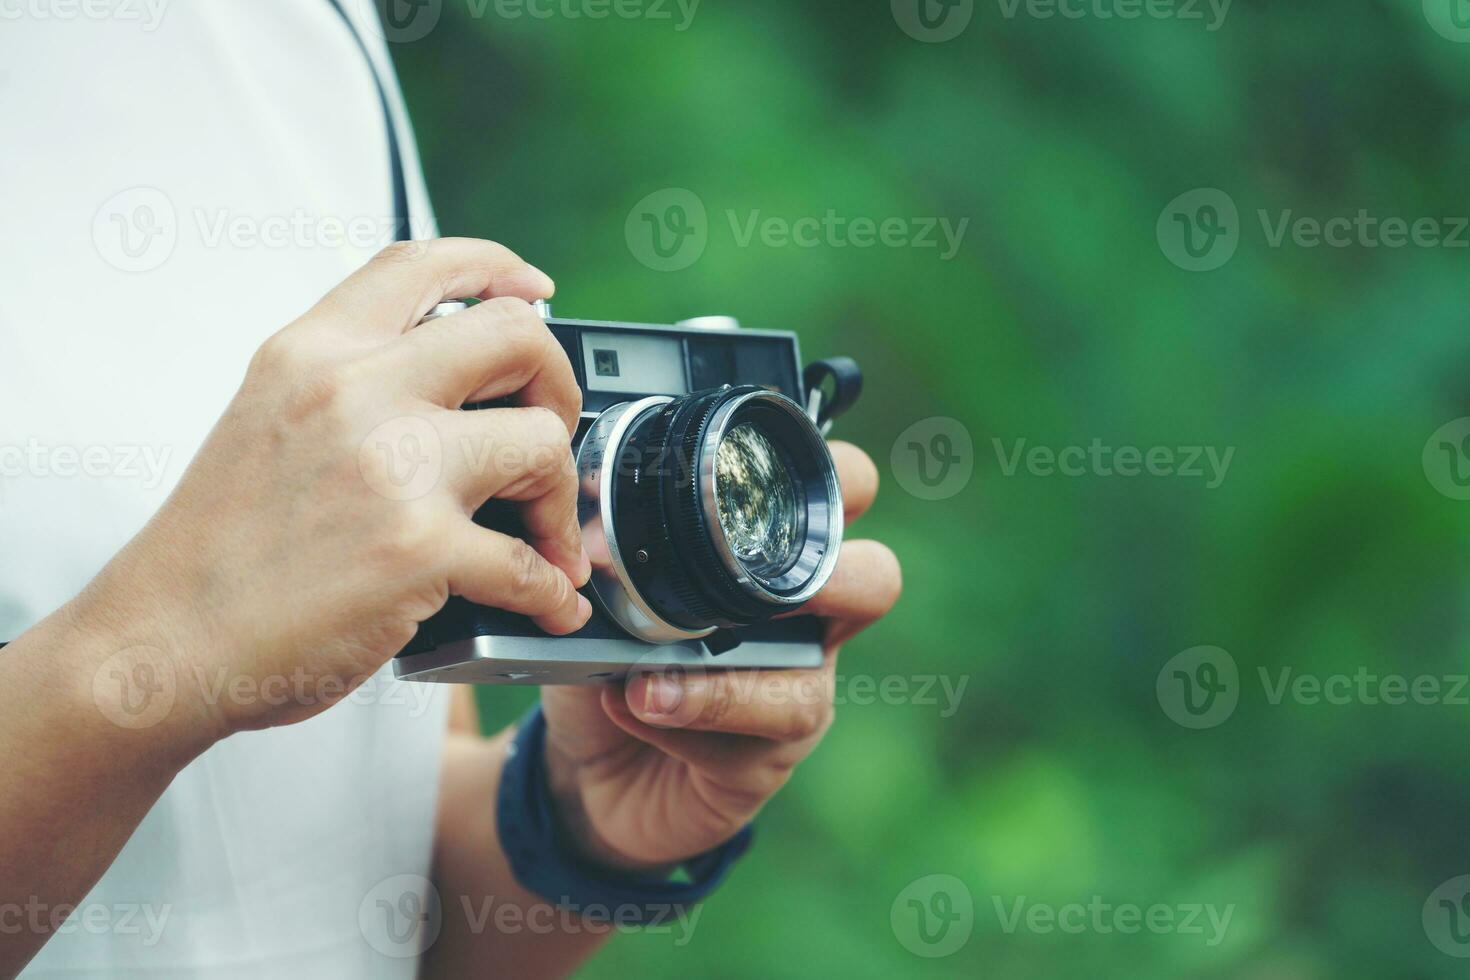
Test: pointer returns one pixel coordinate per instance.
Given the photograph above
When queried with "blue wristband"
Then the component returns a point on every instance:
(545, 865)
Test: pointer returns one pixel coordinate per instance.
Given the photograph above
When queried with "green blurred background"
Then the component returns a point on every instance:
(1056, 600)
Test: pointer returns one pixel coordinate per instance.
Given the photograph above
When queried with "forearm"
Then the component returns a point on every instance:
(77, 770)
(488, 918)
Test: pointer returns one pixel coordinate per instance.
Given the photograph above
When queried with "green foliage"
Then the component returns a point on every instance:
(1059, 321)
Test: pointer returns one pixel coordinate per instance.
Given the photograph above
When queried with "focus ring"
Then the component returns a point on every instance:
(686, 515)
(675, 486)
(647, 464)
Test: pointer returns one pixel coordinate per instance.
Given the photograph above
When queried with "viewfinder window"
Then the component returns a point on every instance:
(605, 363)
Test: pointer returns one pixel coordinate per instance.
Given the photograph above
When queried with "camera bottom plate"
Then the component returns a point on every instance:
(571, 660)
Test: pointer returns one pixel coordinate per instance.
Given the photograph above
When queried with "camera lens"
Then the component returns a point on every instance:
(719, 509)
(756, 498)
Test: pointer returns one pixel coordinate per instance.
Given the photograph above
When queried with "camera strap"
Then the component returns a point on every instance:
(401, 227)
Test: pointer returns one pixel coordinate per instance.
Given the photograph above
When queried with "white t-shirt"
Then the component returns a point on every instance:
(177, 182)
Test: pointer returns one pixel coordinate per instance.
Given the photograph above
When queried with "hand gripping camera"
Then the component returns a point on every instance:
(708, 503)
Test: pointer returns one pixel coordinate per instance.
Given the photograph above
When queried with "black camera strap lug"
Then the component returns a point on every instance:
(847, 385)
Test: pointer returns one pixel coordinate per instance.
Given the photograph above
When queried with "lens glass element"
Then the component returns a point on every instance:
(757, 499)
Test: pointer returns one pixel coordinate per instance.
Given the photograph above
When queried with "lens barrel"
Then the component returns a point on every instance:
(707, 539)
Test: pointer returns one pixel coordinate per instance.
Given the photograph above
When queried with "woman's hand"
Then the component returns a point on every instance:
(329, 512)
(669, 765)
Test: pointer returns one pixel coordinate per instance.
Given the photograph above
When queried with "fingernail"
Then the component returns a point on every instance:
(584, 610)
(661, 695)
(586, 568)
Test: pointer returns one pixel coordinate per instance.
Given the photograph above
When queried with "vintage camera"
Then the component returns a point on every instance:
(708, 502)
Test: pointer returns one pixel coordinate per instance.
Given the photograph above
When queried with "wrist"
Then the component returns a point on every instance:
(576, 827)
(543, 863)
(130, 659)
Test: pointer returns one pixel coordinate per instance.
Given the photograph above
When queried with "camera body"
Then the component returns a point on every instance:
(708, 502)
